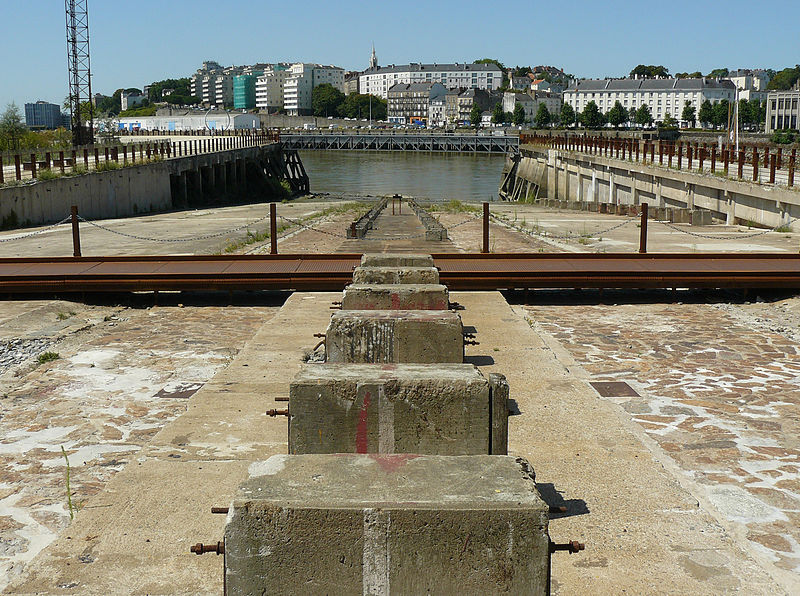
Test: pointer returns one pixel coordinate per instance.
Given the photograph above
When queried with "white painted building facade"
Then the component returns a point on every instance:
(303, 77)
(377, 81)
(217, 122)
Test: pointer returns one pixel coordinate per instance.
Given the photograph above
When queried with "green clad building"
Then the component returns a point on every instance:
(244, 90)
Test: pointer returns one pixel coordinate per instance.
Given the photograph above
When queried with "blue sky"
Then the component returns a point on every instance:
(134, 43)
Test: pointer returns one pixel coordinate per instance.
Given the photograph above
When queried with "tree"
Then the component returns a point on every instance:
(650, 71)
(591, 116)
(498, 115)
(719, 73)
(720, 115)
(357, 105)
(543, 117)
(475, 115)
(617, 115)
(669, 121)
(521, 71)
(643, 117)
(11, 126)
(706, 113)
(758, 112)
(689, 113)
(326, 100)
(785, 79)
(518, 117)
(568, 116)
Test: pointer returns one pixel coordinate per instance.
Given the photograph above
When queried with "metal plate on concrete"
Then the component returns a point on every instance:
(614, 389)
(179, 390)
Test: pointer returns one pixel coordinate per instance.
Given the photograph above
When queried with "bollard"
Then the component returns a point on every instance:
(725, 157)
(740, 158)
(485, 228)
(33, 165)
(96, 157)
(273, 230)
(713, 159)
(772, 163)
(755, 164)
(76, 235)
(61, 159)
(701, 156)
(17, 167)
(780, 157)
(791, 167)
(680, 155)
(643, 230)
(105, 154)
(86, 158)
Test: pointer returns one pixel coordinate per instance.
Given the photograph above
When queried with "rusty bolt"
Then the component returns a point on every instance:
(337, 303)
(201, 549)
(573, 546)
(558, 509)
(336, 308)
(319, 334)
(274, 413)
(281, 399)
(469, 335)
(471, 342)
(219, 510)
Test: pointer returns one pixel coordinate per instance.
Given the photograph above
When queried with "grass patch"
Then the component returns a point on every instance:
(107, 166)
(63, 316)
(784, 228)
(48, 357)
(47, 174)
(454, 206)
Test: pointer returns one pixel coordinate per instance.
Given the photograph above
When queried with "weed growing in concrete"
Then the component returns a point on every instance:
(69, 492)
(783, 229)
(47, 174)
(107, 166)
(454, 206)
(48, 357)
(62, 316)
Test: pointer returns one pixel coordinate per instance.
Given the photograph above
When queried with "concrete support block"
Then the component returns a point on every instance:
(387, 524)
(386, 336)
(701, 217)
(389, 259)
(499, 391)
(395, 275)
(437, 409)
(395, 296)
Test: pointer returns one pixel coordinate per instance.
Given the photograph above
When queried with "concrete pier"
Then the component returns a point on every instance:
(439, 409)
(400, 524)
(385, 336)
(393, 259)
(395, 296)
(395, 275)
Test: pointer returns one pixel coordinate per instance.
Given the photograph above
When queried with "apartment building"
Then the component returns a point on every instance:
(378, 80)
(663, 96)
(43, 114)
(467, 98)
(269, 87)
(531, 101)
(409, 103)
(302, 79)
(783, 109)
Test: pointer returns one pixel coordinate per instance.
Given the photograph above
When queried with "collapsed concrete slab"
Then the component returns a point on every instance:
(395, 296)
(395, 275)
(385, 336)
(388, 259)
(387, 524)
(439, 409)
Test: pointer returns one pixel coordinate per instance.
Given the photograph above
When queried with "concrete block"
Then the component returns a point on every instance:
(395, 275)
(701, 217)
(385, 336)
(499, 391)
(437, 409)
(388, 259)
(389, 524)
(395, 296)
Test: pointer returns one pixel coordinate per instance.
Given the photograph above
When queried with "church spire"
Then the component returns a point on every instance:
(373, 59)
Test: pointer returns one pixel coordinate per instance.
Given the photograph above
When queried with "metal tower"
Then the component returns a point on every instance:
(80, 74)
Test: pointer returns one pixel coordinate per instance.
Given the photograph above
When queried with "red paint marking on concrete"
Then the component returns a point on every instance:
(361, 430)
(395, 301)
(393, 462)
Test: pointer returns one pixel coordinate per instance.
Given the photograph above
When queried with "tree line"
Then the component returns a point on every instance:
(327, 100)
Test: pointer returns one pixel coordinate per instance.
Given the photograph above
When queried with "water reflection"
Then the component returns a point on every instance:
(438, 176)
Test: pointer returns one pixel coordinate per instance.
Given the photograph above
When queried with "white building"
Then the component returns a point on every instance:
(131, 100)
(783, 109)
(269, 87)
(302, 79)
(377, 81)
(217, 122)
(531, 101)
(663, 96)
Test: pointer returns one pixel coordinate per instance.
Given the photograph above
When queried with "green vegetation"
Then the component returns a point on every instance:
(181, 92)
(454, 206)
(785, 79)
(706, 113)
(689, 113)
(591, 116)
(48, 357)
(475, 115)
(689, 75)
(617, 115)
(719, 73)
(498, 115)
(141, 110)
(357, 105)
(543, 116)
(650, 71)
(568, 115)
(642, 116)
(326, 100)
(62, 316)
(784, 137)
(518, 117)
(47, 174)
(107, 166)
(504, 84)
(12, 128)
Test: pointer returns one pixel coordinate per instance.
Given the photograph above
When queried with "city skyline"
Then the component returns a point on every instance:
(157, 40)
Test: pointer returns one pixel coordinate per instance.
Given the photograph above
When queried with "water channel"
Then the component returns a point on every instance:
(436, 176)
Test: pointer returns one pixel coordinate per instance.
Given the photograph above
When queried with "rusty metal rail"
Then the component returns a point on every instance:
(331, 272)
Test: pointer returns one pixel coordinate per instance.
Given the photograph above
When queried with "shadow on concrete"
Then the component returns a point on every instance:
(555, 500)
(148, 299)
(513, 407)
(479, 360)
(612, 297)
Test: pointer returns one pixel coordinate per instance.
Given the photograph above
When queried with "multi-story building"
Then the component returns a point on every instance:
(752, 84)
(43, 114)
(129, 101)
(467, 98)
(663, 96)
(408, 103)
(244, 87)
(303, 77)
(269, 87)
(203, 82)
(351, 82)
(783, 109)
(531, 101)
(378, 80)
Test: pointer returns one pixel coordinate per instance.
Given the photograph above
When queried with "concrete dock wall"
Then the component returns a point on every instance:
(593, 180)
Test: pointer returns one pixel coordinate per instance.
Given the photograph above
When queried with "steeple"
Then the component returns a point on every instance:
(373, 59)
